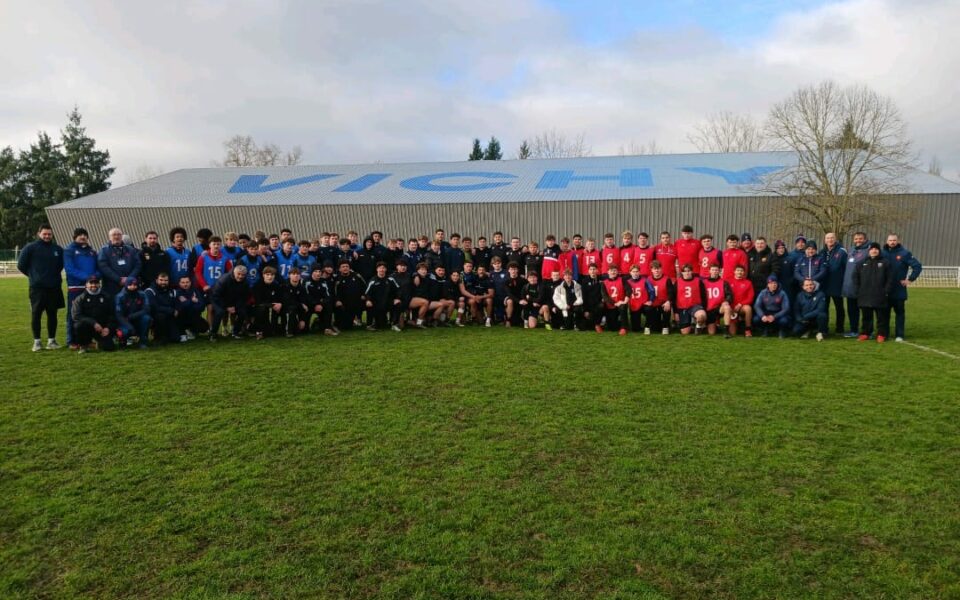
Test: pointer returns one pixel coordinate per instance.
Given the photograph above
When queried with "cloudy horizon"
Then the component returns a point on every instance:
(161, 86)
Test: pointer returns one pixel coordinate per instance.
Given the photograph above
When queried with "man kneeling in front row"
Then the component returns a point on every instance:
(93, 317)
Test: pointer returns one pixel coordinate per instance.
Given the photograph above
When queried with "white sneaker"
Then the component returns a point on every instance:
(805, 336)
(666, 331)
(395, 328)
(37, 346)
(646, 331)
(183, 339)
(487, 324)
(52, 344)
(189, 334)
(819, 337)
(899, 339)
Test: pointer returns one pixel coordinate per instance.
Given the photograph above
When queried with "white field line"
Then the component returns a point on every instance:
(940, 352)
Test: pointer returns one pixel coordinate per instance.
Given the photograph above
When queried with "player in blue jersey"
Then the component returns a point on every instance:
(303, 260)
(285, 259)
(179, 254)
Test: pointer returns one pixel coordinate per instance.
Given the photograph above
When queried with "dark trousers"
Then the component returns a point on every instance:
(838, 307)
(292, 316)
(266, 320)
(321, 320)
(165, 328)
(657, 318)
(573, 317)
(899, 309)
(139, 327)
(220, 314)
(71, 296)
(882, 316)
(345, 315)
(781, 324)
(853, 312)
(379, 317)
(591, 316)
(84, 334)
(636, 316)
(617, 316)
(36, 313)
(192, 320)
(821, 324)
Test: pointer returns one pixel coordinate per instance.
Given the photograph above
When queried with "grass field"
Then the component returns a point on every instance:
(483, 464)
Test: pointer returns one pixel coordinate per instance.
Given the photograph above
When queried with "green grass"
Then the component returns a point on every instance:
(483, 464)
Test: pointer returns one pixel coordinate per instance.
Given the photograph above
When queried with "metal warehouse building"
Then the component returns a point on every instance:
(712, 192)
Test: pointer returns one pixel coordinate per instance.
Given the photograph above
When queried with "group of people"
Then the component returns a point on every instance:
(263, 285)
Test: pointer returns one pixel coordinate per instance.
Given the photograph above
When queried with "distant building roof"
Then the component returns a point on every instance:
(591, 178)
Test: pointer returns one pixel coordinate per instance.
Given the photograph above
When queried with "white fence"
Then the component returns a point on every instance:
(939, 277)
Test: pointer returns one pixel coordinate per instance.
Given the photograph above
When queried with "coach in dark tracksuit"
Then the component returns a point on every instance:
(905, 269)
(835, 260)
(42, 261)
(93, 317)
(229, 295)
(873, 279)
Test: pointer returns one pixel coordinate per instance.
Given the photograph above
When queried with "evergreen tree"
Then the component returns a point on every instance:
(493, 151)
(524, 152)
(34, 181)
(477, 152)
(88, 169)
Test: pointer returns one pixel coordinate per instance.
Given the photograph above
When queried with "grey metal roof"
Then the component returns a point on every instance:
(591, 178)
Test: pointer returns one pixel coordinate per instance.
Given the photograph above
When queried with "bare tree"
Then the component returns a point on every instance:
(635, 149)
(852, 157)
(293, 157)
(243, 151)
(935, 168)
(728, 132)
(144, 172)
(552, 144)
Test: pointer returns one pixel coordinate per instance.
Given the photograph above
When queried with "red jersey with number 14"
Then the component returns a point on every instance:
(689, 292)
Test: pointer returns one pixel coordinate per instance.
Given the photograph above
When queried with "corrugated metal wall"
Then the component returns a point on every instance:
(932, 235)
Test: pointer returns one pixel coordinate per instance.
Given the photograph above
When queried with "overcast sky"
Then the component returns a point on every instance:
(162, 84)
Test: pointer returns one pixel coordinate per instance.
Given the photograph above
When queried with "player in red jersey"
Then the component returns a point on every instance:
(628, 256)
(666, 253)
(688, 248)
(641, 295)
(615, 300)
(733, 257)
(691, 296)
(644, 253)
(719, 299)
(708, 255)
(569, 259)
(741, 309)
(657, 315)
(578, 250)
(589, 256)
(609, 254)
